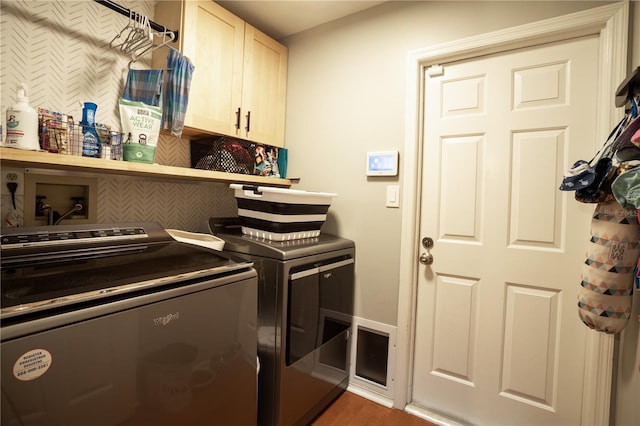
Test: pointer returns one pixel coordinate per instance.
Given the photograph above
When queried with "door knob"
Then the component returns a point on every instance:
(426, 258)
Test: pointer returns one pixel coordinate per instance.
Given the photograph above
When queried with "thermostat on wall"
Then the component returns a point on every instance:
(382, 163)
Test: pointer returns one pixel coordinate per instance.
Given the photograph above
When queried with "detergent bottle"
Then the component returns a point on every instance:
(91, 145)
(22, 123)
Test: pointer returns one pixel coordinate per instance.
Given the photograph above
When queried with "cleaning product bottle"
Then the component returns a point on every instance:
(91, 145)
(22, 123)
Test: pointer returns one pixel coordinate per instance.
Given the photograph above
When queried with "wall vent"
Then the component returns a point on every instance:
(372, 356)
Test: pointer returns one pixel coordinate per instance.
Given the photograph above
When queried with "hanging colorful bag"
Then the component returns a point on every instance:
(605, 294)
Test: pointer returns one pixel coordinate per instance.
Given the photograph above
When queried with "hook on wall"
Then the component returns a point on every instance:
(629, 88)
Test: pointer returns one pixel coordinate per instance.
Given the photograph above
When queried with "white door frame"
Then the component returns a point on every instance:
(611, 23)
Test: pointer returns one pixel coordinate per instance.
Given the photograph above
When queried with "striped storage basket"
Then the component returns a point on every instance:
(281, 214)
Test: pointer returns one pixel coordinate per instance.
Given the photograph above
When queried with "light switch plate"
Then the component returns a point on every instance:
(393, 196)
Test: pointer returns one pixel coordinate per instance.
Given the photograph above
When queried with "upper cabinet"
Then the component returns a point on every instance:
(239, 83)
(264, 88)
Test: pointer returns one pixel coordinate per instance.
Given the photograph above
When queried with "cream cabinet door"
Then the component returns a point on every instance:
(264, 88)
(239, 83)
(213, 39)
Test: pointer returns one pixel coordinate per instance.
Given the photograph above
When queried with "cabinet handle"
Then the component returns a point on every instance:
(238, 119)
(248, 121)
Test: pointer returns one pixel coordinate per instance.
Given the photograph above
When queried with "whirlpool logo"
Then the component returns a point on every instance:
(166, 319)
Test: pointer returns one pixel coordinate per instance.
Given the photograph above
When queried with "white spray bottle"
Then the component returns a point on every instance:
(22, 123)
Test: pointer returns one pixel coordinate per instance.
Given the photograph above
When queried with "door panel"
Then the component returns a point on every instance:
(530, 346)
(455, 315)
(534, 223)
(498, 339)
(461, 162)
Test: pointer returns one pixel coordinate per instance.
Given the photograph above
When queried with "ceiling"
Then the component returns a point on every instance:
(280, 19)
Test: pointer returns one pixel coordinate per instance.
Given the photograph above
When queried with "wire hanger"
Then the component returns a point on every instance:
(128, 27)
(166, 36)
(139, 37)
(136, 35)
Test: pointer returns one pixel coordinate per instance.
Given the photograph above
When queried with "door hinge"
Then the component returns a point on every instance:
(435, 71)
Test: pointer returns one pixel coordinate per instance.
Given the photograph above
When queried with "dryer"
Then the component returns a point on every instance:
(305, 312)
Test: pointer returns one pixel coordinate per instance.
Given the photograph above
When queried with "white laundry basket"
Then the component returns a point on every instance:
(280, 214)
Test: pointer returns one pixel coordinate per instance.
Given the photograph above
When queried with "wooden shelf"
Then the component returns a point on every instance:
(25, 159)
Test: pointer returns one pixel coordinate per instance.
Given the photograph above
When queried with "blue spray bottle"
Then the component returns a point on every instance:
(91, 145)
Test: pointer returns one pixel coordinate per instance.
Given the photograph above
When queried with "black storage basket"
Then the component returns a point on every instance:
(223, 154)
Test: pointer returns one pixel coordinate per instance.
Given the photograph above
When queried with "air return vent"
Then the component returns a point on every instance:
(372, 355)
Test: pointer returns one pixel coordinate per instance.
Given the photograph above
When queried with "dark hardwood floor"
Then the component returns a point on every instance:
(353, 410)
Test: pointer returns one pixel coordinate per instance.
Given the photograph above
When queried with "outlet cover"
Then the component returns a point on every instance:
(11, 174)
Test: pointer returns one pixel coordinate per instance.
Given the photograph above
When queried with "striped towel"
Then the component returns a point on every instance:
(144, 86)
(179, 73)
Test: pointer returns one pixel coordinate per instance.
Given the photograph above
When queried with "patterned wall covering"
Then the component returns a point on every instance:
(61, 50)
(173, 205)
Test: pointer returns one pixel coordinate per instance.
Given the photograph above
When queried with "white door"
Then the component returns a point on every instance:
(498, 339)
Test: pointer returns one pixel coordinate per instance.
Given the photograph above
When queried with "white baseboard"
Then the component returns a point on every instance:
(431, 417)
(372, 396)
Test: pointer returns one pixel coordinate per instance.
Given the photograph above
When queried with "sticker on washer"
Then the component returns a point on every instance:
(32, 365)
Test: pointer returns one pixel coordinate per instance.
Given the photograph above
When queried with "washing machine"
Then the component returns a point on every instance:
(120, 324)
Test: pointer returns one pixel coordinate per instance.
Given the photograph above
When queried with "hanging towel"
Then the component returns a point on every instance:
(179, 73)
(144, 86)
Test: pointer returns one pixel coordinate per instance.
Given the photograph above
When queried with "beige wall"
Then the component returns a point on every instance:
(346, 96)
